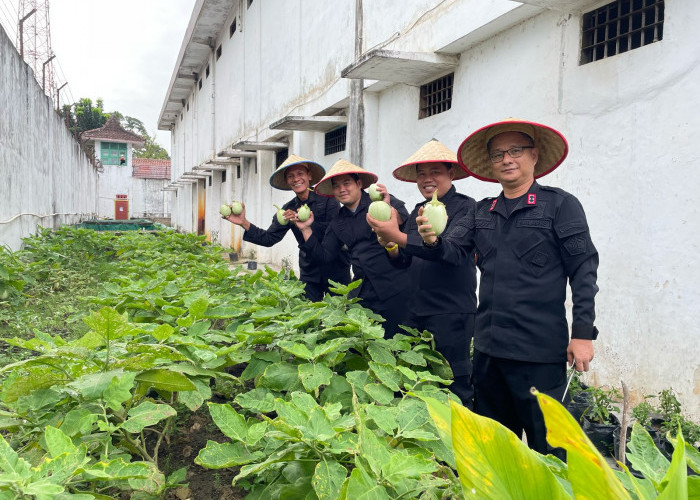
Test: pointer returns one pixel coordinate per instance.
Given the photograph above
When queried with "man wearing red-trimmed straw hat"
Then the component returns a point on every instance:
(443, 293)
(298, 174)
(530, 241)
(384, 287)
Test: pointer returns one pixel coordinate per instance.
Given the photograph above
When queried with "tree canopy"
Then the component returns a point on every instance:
(84, 115)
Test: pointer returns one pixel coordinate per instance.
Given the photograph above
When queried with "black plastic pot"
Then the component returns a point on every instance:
(578, 405)
(616, 446)
(601, 435)
(252, 265)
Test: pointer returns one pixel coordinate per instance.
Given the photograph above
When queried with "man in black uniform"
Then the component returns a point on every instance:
(384, 288)
(443, 293)
(298, 174)
(529, 241)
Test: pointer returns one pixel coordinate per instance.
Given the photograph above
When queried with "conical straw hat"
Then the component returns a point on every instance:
(473, 155)
(432, 152)
(278, 181)
(343, 167)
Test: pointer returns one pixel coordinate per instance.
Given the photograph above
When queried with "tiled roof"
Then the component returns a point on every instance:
(113, 131)
(151, 168)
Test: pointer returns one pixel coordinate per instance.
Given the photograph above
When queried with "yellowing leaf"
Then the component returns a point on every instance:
(590, 476)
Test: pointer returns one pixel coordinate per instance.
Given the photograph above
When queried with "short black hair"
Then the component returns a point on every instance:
(353, 176)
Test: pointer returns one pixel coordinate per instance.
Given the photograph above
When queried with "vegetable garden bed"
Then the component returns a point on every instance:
(160, 373)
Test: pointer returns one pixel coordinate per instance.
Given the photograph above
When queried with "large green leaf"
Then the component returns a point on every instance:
(362, 486)
(384, 417)
(493, 463)
(93, 385)
(296, 349)
(147, 414)
(402, 466)
(119, 390)
(165, 380)
(259, 400)
(11, 463)
(319, 427)
(414, 421)
(645, 456)
(220, 456)
(57, 442)
(313, 376)
(280, 376)
(675, 482)
(231, 423)
(110, 325)
(328, 478)
(381, 355)
(590, 475)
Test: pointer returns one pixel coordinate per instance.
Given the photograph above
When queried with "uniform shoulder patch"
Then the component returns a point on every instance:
(576, 245)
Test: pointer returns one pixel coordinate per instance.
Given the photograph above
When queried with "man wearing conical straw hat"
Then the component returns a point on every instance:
(384, 287)
(443, 298)
(298, 174)
(530, 241)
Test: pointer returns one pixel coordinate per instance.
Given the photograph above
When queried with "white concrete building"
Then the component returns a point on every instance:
(255, 80)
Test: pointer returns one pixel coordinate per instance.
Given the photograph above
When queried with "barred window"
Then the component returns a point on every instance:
(335, 140)
(621, 26)
(436, 96)
(280, 156)
(232, 28)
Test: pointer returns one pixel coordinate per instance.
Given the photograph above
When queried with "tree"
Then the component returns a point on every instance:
(83, 115)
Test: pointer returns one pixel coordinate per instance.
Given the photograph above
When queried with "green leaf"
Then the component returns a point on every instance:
(197, 304)
(313, 376)
(413, 358)
(402, 466)
(117, 469)
(11, 463)
(384, 417)
(78, 422)
(93, 385)
(162, 332)
(280, 376)
(195, 399)
(328, 478)
(362, 486)
(386, 375)
(57, 442)
(290, 414)
(333, 346)
(165, 380)
(119, 391)
(231, 423)
(296, 349)
(414, 420)
(644, 456)
(259, 400)
(110, 325)
(319, 426)
(147, 414)
(256, 431)
(381, 355)
(380, 393)
(39, 399)
(675, 482)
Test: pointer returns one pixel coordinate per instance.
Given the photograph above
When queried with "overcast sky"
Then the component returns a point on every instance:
(122, 51)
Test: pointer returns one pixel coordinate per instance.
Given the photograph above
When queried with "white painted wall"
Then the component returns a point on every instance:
(631, 121)
(46, 178)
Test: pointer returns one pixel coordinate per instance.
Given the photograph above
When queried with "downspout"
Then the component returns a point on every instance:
(356, 120)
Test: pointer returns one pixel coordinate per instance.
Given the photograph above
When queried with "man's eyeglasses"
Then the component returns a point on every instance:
(514, 152)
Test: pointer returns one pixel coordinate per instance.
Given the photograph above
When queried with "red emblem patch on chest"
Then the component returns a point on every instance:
(531, 199)
(493, 205)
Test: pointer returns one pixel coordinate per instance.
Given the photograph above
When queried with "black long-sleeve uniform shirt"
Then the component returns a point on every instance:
(380, 280)
(324, 210)
(526, 258)
(439, 286)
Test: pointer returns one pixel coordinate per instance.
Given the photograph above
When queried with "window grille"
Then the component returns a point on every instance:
(238, 171)
(210, 178)
(232, 28)
(335, 140)
(621, 26)
(223, 176)
(280, 156)
(200, 84)
(218, 52)
(207, 72)
(436, 96)
(112, 152)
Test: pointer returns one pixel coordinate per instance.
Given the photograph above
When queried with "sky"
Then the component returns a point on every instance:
(122, 51)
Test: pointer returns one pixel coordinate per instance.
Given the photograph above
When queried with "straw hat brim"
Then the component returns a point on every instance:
(473, 155)
(431, 152)
(278, 181)
(343, 167)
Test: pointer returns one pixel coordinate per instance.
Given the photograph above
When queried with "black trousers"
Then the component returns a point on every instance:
(502, 392)
(453, 335)
(392, 309)
(315, 291)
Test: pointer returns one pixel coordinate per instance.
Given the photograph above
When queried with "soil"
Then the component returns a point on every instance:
(203, 484)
